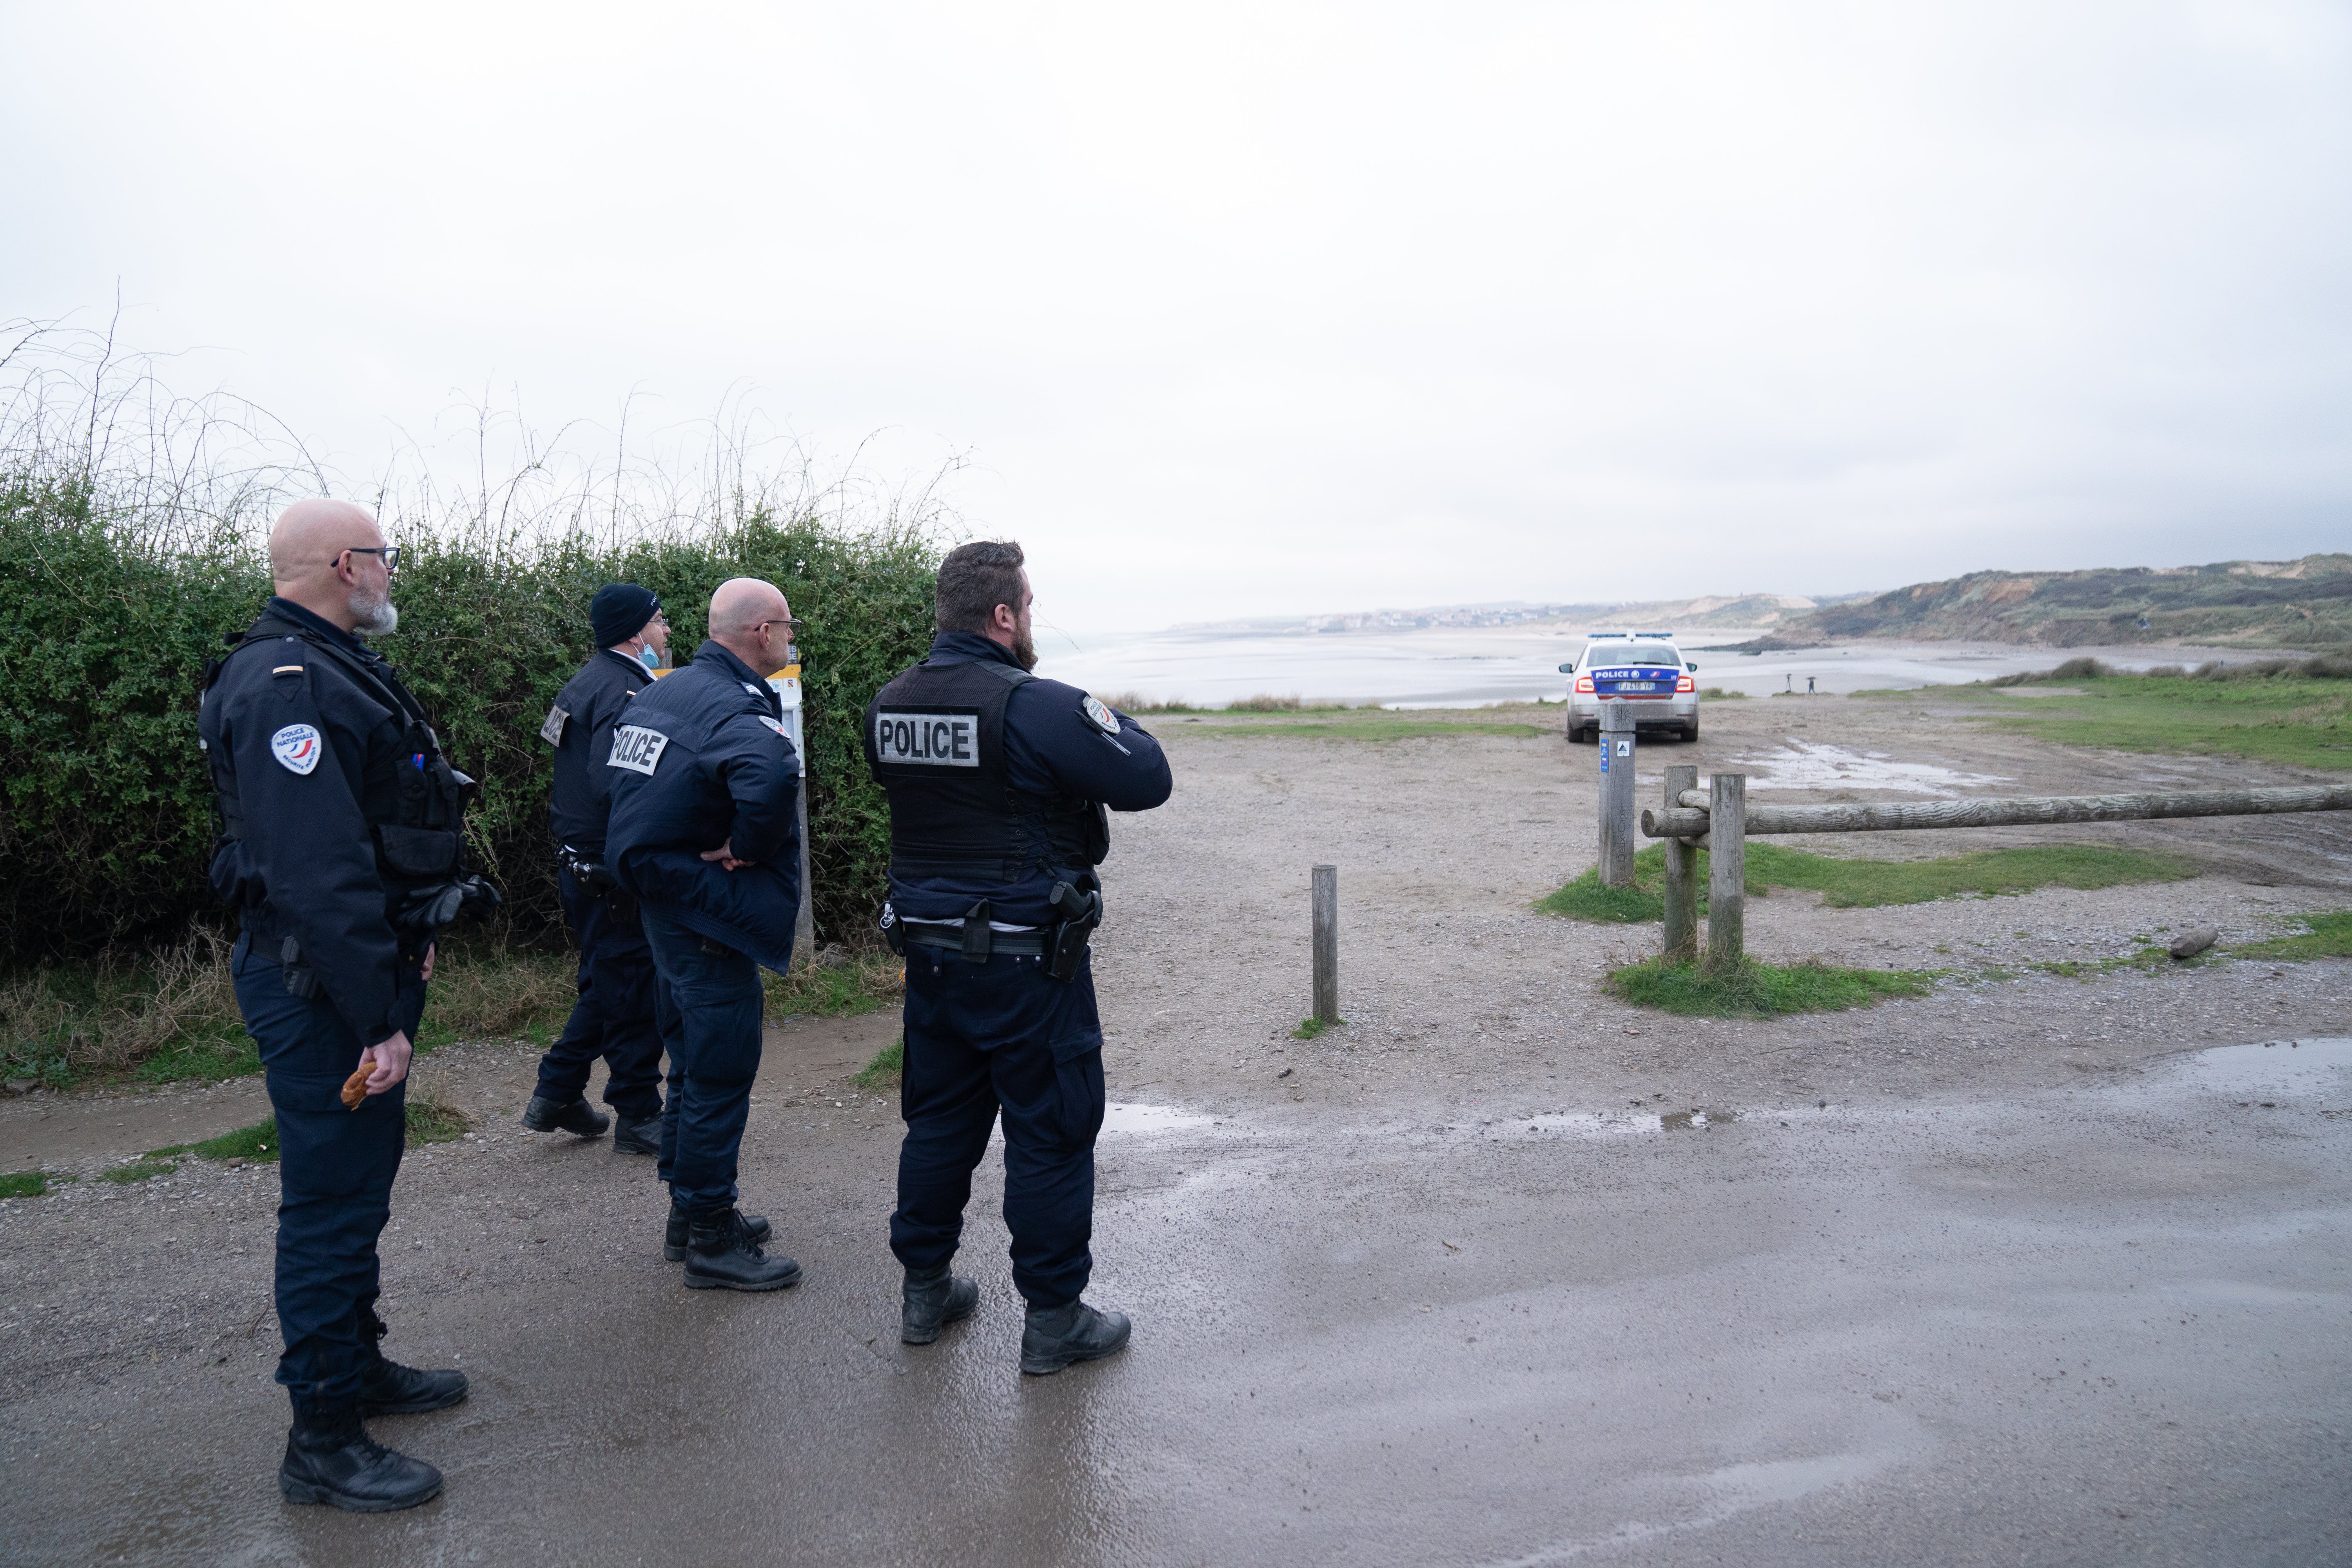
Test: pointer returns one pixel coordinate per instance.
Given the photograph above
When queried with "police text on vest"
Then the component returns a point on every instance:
(927, 739)
(636, 748)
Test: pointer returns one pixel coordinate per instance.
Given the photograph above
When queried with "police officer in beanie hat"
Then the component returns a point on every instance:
(614, 1015)
(342, 853)
(998, 782)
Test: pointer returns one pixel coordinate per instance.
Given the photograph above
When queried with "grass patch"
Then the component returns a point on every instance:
(138, 1170)
(2284, 716)
(2323, 936)
(1724, 694)
(434, 1119)
(498, 996)
(1754, 990)
(25, 1184)
(167, 1014)
(63, 1023)
(1310, 1028)
(850, 985)
(1586, 899)
(257, 1142)
(1871, 884)
(887, 1064)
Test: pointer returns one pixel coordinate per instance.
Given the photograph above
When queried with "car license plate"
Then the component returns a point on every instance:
(1637, 686)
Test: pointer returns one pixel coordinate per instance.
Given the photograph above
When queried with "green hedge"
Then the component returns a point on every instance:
(108, 823)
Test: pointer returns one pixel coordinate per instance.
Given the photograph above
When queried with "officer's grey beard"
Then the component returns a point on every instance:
(1024, 648)
(377, 615)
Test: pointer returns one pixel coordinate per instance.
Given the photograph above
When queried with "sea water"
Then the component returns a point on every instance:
(1469, 667)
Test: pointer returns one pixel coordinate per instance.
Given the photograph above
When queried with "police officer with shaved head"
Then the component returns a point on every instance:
(341, 850)
(614, 1018)
(705, 833)
(998, 784)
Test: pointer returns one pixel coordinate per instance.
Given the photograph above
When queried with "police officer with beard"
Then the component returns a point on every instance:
(998, 782)
(705, 831)
(342, 851)
(614, 1015)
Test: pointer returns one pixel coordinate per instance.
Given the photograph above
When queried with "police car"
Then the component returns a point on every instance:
(1643, 670)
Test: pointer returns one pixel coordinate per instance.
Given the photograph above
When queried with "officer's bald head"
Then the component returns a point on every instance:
(311, 565)
(748, 619)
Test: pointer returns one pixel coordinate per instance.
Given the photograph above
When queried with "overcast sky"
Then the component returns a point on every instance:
(1277, 307)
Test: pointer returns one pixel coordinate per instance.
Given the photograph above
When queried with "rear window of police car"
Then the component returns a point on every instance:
(1657, 655)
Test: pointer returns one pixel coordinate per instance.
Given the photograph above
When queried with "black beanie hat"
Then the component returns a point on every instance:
(620, 611)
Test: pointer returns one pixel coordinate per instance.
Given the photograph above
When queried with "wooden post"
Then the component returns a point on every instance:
(804, 923)
(1616, 796)
(1726, 883)
(1327, 943)
(1682, 885)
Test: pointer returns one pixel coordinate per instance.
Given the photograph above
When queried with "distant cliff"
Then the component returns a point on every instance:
(2240, 604)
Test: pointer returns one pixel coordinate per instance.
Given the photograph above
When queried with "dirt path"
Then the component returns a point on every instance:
(1458, 994)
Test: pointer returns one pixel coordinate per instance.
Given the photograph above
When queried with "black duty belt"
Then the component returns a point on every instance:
(950, 934)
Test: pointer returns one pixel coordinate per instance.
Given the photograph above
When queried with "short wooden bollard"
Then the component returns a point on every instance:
(1681, 883)
(1327, 943)
(1726, 880)
(1617, 797)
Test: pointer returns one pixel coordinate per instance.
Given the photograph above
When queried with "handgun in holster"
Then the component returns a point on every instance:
(1078, 909)
(892, 932)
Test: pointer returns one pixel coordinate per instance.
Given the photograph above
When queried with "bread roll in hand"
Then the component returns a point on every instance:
(355, 1087)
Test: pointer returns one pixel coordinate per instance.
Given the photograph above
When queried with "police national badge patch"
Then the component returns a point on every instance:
(297, 748)
(1099, 711)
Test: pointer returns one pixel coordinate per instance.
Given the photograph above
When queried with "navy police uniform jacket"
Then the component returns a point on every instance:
(700, 760)
(1054, 750)
(580, 726)
(336, 802)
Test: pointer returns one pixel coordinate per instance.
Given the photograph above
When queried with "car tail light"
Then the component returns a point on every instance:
(1685, 685)
(1584, 684)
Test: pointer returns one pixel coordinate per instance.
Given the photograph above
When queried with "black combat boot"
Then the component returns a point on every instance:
(388, 1388)
(721, 1255)
(330, 1457)
(572, 1116)
(930, 1301)
(1054, 1337)
(675, 1236)
(639, 1137)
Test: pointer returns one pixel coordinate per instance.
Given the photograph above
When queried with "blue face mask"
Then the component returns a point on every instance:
(651, 655)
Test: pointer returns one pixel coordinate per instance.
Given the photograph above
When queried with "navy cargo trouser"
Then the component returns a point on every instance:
(990, 1040)
(335, 1170)
(614, 1015)
(708, 1008)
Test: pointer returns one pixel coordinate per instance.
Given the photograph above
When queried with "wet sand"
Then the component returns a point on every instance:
(1991, 1276)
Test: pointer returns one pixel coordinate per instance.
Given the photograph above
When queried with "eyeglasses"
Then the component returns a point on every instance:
(391, 553)
(779, 621)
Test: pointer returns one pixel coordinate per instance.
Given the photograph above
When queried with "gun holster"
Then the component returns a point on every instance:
(301, 979)
(1080, 909)
(892, 932)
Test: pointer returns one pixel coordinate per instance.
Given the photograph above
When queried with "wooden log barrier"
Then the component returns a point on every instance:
(1689, 817)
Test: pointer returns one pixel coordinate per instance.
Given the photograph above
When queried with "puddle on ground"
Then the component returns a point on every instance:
(1804, 764)
(2271, 1069)
(1121, 1118)
(1620, 1123)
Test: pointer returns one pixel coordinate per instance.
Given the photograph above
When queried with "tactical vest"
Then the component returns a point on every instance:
(414, 801)
(935, 740)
